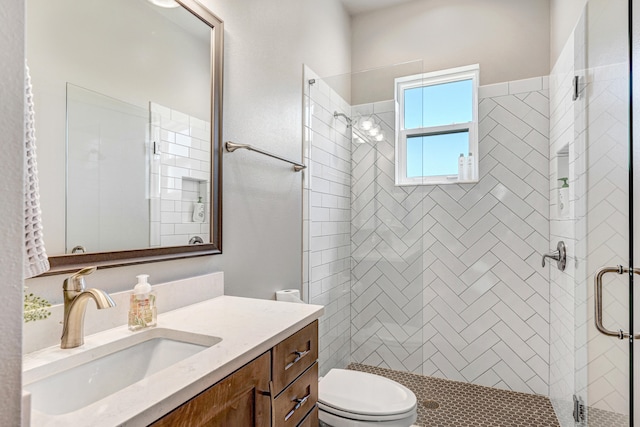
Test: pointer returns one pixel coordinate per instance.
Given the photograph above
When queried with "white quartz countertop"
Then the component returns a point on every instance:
(248, 327)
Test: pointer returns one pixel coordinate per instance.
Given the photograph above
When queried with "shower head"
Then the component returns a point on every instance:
(347, 118)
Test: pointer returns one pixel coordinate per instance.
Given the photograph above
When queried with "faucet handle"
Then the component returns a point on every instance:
(75, 282)
(559, 255)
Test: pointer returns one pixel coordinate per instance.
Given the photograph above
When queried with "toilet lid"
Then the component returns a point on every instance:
(365, 394)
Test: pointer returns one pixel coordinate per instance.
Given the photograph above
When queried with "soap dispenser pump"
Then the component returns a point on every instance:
(142, 306)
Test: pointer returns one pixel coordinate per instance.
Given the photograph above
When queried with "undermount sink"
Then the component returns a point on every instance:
(79, 380)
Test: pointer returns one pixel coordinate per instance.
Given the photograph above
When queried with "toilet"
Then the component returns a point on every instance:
(358, 399)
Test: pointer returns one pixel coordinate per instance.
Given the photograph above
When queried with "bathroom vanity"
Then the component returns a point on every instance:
(257, 366)
(278, 388)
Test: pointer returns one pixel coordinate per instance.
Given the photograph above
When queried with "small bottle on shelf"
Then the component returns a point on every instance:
(462, 169)
(470, 167)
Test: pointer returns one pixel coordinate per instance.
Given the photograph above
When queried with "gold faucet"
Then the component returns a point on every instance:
(75, 304)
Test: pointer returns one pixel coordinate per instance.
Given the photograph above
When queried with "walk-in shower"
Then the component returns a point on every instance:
(446, 281)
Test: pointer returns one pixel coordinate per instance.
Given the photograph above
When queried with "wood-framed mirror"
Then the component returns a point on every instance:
(128, 118)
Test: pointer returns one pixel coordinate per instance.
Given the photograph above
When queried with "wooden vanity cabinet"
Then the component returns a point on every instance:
(311, 420)
(241, 399)
(278, 389)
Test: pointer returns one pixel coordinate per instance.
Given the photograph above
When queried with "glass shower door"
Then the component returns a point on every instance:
(602, 217)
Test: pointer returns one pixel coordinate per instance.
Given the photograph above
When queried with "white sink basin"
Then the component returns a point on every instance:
(76, 381)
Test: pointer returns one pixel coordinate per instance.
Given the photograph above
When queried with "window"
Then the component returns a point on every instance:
(437, 120)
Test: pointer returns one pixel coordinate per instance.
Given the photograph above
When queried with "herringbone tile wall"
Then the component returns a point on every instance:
(446, 280)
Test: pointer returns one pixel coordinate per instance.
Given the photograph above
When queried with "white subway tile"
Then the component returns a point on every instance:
(199, 175)
(525, 85)
(170, 218)
(167, 229)
(489, 91)
(174, 240)
(167, 206)
(193, 228)
(177, 150)
(167, 136)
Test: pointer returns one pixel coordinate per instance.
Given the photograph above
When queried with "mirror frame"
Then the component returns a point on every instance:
(70, 262)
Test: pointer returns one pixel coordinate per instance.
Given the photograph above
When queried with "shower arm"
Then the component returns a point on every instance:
(347, 118)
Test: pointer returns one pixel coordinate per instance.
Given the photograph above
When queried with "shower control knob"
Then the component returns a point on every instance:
(559, 255)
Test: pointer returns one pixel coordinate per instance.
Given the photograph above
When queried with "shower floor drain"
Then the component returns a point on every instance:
(430, 404)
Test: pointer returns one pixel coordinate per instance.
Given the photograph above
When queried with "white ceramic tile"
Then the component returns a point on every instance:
(514, 105)
(489, 91)
(525, 85)
(512, 123)
(384, 106)
(480, 365)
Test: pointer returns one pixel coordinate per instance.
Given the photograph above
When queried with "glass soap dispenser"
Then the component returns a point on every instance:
(142, 305)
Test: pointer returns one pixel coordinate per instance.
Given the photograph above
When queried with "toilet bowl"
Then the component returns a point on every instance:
(358, 399)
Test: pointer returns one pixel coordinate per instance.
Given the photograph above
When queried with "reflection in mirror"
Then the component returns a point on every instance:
(131, 93)
(106, 191)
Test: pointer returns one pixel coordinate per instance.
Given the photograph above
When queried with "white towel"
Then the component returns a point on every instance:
(35, 259)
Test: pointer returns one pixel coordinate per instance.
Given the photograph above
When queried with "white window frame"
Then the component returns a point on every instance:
(469, 72)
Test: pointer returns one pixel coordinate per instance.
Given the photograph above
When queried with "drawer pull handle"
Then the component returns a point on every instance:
(299, 355)
(299, 403)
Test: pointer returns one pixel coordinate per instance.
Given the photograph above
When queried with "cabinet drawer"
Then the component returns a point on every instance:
(311, 420)
(294, 355)
(291, 406)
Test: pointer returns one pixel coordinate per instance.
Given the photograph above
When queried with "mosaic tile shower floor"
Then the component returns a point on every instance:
(469, 405)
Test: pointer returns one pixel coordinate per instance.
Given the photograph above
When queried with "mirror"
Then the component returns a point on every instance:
(128, 107)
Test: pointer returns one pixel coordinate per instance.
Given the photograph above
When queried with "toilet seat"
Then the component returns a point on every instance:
(363, 417)
(329, 419)
(366, 397)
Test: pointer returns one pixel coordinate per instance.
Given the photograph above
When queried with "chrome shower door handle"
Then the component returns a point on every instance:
(598, 300)
(559, 255)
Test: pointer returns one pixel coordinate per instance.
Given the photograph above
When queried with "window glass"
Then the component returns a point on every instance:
(438, 115)
(438, 105)
(435, 155)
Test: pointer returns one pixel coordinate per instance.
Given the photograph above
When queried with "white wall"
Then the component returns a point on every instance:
(509, 39)
(266, 44)
(564, 15)
(12, 206)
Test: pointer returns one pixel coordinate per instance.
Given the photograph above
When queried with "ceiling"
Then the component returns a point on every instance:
(358, 6)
